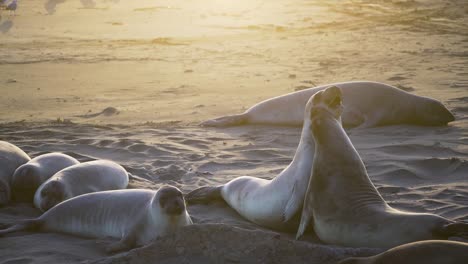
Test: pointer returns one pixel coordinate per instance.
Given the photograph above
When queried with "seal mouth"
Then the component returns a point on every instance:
(175, 207)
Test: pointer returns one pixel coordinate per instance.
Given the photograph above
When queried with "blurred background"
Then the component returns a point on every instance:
(150, 60)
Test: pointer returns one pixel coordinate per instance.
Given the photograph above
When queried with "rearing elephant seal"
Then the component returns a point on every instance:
(28, 177)
(342, 203)
(366, 104)
(11, 157)
(86, 177)
(427, 252)
(270, 203)
(134, 216)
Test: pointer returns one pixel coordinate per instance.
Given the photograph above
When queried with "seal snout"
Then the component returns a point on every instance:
(175, 207)
(327, 101)
(449, 116)
(438, 114)
(171, 200)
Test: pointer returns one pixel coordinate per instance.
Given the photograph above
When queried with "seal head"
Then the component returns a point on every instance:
(52, 194)
(171, 200)
(429, 112)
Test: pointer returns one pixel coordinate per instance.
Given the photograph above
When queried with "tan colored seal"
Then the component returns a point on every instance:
(341, 202)
(427, 252)
(366, 104)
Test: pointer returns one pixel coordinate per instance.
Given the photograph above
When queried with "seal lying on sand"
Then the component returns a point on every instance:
(28, 177)
(427, 252)
(270, 203)
(366, 104)
(134, 216)
(11, 157)
(86, 177)
(342, 203)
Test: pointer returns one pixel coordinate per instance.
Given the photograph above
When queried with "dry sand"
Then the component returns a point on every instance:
(132, 79)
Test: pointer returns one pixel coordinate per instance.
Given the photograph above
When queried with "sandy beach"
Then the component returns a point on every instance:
(130, 81)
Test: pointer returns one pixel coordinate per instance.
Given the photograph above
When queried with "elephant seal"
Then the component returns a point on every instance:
(11, 157)
(366, 104)
(427, 252)
(271, 203)
(134, 216)
(341, 201)
(28, 177)
(86, 177)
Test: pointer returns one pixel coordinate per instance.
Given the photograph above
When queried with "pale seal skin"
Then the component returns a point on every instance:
(341, 202)
(427, 252)
(272, 203)
(86, 177)
(366, 104)
(134, 216)
(11, 157)
(28, 177)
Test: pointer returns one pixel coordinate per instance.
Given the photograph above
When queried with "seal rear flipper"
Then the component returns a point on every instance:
(224, 121)
(25, 225)
(205, 194)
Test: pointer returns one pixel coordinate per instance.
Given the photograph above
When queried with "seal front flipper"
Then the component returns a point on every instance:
(128, 241)
(352, 118)
(294, 204)
(307, 212)
(205, 194)
(224, 121)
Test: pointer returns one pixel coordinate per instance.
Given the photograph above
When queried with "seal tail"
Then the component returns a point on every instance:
(224, 121)
(205, 194)
(25, 225)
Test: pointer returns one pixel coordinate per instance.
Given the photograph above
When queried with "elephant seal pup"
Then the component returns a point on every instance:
(341, 201)
(28, 177)
(366, 104)
(134, 216)
(11, 157)
(427, 252)
(271, 203)
(86, 177)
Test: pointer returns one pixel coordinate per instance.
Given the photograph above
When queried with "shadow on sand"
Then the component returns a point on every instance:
(6, 26)
(50, 5)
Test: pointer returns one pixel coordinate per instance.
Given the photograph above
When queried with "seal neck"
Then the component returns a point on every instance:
(306, 146)
(330, 137)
